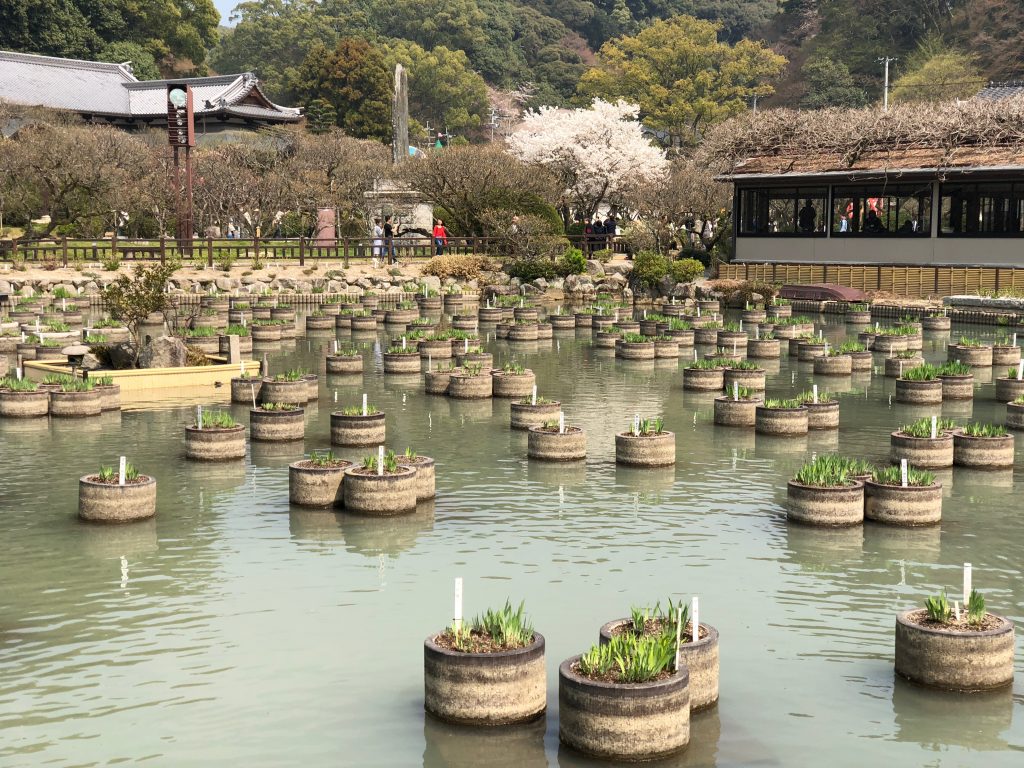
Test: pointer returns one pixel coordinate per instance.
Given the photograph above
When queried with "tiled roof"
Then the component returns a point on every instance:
(1000, 91)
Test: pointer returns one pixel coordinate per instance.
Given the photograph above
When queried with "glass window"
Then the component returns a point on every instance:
(792, 211)
(990, 208)
(879, 210)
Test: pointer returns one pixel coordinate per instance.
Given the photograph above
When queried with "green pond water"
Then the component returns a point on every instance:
(233, 629)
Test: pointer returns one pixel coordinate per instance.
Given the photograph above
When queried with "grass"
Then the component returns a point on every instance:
(707, 364)
(744, 365)
(970, 341)
(540, 401)
(200, 332)
(296, 374)
(766, 335)
(20, 385)
(938, 608)
(76, 385)
(649, 427)
(955, 368)
(57, 378)
(514, 368)
(325, 459)
(630, 658)
(926, 372)
(846, 348)
(808, 397)
(357, 410)
(57, 327)
(635, 338)
(507, 628)
(237, 330)
(775, 403)
(977, 429)
(975, 608)
(109, 474)
(675, 324)
(745, 393)
(279, 407)
(390, 462)
(894, 476)
(923, 427)
(732, 328)
(829, 471)
(95, 338)
(398, 349)
(473, 369)
(907, 354)
(103, 381)
(217, 420)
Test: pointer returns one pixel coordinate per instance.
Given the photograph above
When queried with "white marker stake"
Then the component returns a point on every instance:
(679, 635)
(199, 417)
(1015, 339)
(956, 609)
(734, 349)
(967, 583)
(364, 404)
(241, 368)
(735, 390)
(335, 346)
(695, 618)
(465, 346)
(533, 401)
(561, 422)
(695, 354)
(380, 459)
(63, 305)
(935, 427)
(335, 395)
(698, 311)
(430, 366)
(252, 388)
(741, 325)
(636, 423)
(1020, 370)
(122, 469)
(457, 617)
(814, 393)
(904, 480)
(403, 342)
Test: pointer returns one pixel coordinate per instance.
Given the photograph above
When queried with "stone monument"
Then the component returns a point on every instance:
(400, 117)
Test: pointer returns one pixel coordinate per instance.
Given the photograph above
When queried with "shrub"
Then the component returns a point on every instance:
(530, 269)
(686, 270)
(648, 268)
(456, 267)
(604, 255)
(572, 262)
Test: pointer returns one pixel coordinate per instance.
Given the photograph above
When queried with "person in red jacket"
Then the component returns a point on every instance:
(440, 237)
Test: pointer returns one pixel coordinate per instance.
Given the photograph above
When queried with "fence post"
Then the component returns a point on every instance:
(64, 250)
(14, 249)
(345, 246)
(163, 248)
(256, 246)
(209, 250)
(302, 251)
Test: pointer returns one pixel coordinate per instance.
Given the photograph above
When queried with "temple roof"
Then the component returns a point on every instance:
(999, 91)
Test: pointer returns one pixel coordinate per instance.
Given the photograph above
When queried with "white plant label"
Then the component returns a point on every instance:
(380, 460)
(533, 400)
(679, 635)
(735, 390)
(561, 422)
(814, 393)
(457, 617)
(695, 618)
(199, 417)
(364, 403)
(935, 427)
(904, 480)
(252, 388)
(1020, 370)
(122, 469)
(967, 583)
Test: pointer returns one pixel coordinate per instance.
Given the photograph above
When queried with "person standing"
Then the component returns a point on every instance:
(378, 238)
(609, 231)
(389, 240)
(440, 237)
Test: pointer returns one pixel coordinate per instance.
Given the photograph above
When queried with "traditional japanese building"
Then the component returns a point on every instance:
(110, 93)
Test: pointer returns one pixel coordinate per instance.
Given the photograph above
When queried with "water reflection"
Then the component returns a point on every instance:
(935, 719)
(374, 536)
(460, 746)
(316, 529)
(105, 542)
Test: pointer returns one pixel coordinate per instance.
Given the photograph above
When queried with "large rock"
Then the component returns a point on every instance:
(579, 284)
(432, 282)
(595, 268)
(163, 352)
(615, 282)
(122, 356)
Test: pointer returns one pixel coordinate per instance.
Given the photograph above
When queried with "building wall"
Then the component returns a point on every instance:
(925, 251)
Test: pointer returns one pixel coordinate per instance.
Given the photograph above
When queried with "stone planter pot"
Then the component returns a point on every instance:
(976, 357)
(239, 316)
(631, 326)
(265, 332)
(367, 493)
(501, 330)
(1014, 416)
(649, 327)
(823, 415)
(570, 445)
(896, 505)
(922, 452)
(288, 331)
(833, 365)
(344, 365)
(312, 387)
(313, 486)
(330, 308)
(833, 507)
(562, 322)
(942, 323)
(283, 313)
(369, 301)
(895, 366)
(465, 322)
(242, 389)
(517, 385)
(982, 452)
(867, 338)
(400, 316)
(700, 658)
(545, 331)
(426, 477)
(462, 386)
(261, 313)
(753, 316)
(858, 318)
(1008, 389)
(977, 660)
(8, 344)
(224, 345)
(277, 426)
(484, 359)
(343, 323)
(436, 349)
(776, 311)
(703, 337)
(685, 338)
(494, 314)
(49, 353)
(709, 306)
(321, 323)
(666, 349)
(284, 392)
(806, 351)
(75, 404)
(915, 341)
(585, 320)
(784, 422)
(735, 413)
(110, 396)
(208, 345)
(358, 429)
(764, 349)
(527, 416)
(888, 344)
(645, 450)
(214, 444)
(703, 379)
(918, 392)
(522, 332)
(436, 382)
(785, 332)
(526, 314)
(501, 688)
(363, 324)
(23, 405)
(399, 362)
(113, 503)
(957, 387)
(430, 303)
(1005, 355)
(862, 361)
(452, 303)
(607, 339)
(635, 350)
(751, 379)
(617, 721)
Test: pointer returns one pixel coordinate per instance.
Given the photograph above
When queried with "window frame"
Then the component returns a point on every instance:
(897, 192)
(817, 192)
(1016, 195)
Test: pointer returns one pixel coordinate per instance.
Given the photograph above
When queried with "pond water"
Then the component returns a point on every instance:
(232, 627)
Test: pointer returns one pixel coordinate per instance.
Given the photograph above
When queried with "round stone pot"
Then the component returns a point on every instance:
(1008, 389)
(833, 507)
(751, 379)
(776, 311)
(867, 338)
(895, 366)
(896, 505)
(631, 326)
(823, 415)
(685, 337)
(113, 503)
(666, 349)
(313, 486)
(343, 323)
(700, 658)
(976, 357)
(523, 332)
(49, 353)
(436, 382)
(208, 345)
(915, 341)
(703, 379)
(426, 477)
(833, 365)
(703, 336)
(887, 343)
(242, 389)
(344, 365)
(764, 349)
(623, 721)
(784, 422)
(953, 659)
(288, 330)
(499, 688)
(430, 303)
(527, 314)
(982, 452)
(649, 327)
(1014, 416)
(861, 361)
(570, 445)
(400, 316)
(922, 452)
(957, 387)
(484, 359)
(261, 312)
(585, 320)
(462, 386)
(399, 362)
(436, 349)
(732, 339)
(645, 450)
(452, 303)
(312, 387)
(494, 314)
(22, 405)
(213, 444)
(74, 405)
(110, 396)
(607, 339)
(369, 301)
(918, 392)
(635, 350)
(224, 345)
(277, 426)
(753, 315)
(786, 333)
(501, 330)
(368, 493)
(808, 350)
(464, 322)
(858, 318)
(1005, 355)
(358, 429)
(709, 306)
(368, 323)
(265, 332)
(320, 323)
(562, 322)
(735, 413)
(526, 416)
(941, 323)
(284, 392)
(518, 385)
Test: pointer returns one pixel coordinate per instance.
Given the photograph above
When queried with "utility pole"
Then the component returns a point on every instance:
(886, 60)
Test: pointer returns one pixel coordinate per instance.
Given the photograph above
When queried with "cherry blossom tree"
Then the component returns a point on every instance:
(597, 153)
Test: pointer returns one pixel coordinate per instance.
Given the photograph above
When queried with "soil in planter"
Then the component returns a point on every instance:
(656, 627)
(478, 642)
(920, 618)
(141, 479)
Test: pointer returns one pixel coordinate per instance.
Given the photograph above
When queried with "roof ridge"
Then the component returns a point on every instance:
(59, 61)
(209, 80)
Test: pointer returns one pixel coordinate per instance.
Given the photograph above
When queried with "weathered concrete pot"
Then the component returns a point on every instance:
(765, 349)
(649, 327)
(584, 320)
(494, 314)
(462, 386)
(645, 450)
(1014, 416)
(784, 422)
(343, 323)
(896, 505)
(709, 306)
(976, 357)
(915, 341)
(313, 486)
(358, 430)
(452, 303)
(214, 444)
(562, 322)
(312, 387)
(664, 349)
(23, 405)
(915, 392)
(369, 301)
(735, 413)
(895, 366)
(208, 345)
(685, 337)
(703, 379)
(400, 316)
(368, 493)
(786, 333)
(732, 339)
(265, 332)
(753, 315)
(982, 452)
(284, 391)
(833, 507)
(435, 382)
(954, 660)
(399, 362)
(700, 658)
(526, 416)
(113, 503)
(110, 396)
(833, 365)
(49, 353)
(224, 344)
(607, 339)
(858, 318)
(323, 322)
(499, 688)
(1005, 355)
(704, 337)
(261, 312)
(867, 338)
(823, 415)
(465, 323)
(436, 349)
(631, 326)
(277, 426)
(861, 361)
(526, 314)
(430, 304)
(344, 365)
(520, 331)
(922, 452)
(242, 389)
(776, 311)
(363, 324)
(73, 405)
(751, 379)
(501, 330)
(887, 343)
(623, 721)
(516, 385)
(941, 323)
(635, 350)
(570, 445)
(1008, 389)
(426, 476)
(484, 359)
(808, 350)
(957, 387)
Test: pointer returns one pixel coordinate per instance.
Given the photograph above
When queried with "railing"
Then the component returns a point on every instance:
(53, 252)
